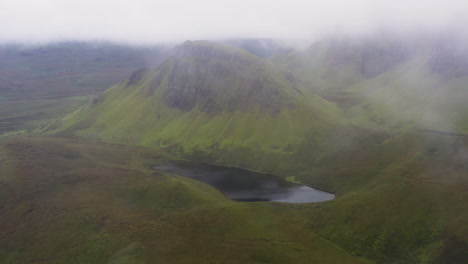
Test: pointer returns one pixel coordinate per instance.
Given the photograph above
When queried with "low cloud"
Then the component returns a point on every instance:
(148, 21)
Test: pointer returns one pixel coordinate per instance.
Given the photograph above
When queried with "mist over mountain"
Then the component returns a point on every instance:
(265, 48)
(389, 80)
(71, 68)
(144, 21)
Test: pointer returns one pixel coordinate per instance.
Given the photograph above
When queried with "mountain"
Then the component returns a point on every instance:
(389, 81)
(216, 103)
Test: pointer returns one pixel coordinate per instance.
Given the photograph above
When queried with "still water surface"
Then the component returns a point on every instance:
(244, 185)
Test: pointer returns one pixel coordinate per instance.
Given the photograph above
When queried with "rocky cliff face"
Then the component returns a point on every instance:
(217, 78)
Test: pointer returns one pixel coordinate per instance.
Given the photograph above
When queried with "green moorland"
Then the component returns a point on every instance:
(78, 201)
(28, 115)
(410, 205)
(69, 68)
(42, 83)
(401, 183)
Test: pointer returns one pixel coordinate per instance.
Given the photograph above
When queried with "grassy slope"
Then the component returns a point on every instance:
(411, 205)
(28, 115)
(77, 201)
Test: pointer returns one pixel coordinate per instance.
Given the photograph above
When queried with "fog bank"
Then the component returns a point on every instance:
(147, 21)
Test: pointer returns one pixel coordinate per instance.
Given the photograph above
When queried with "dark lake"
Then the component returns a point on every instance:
(244, 185)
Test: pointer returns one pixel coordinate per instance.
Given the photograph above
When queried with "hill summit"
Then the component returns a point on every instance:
(217, 77)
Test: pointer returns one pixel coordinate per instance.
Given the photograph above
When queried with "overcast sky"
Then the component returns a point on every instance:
(148, 21)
